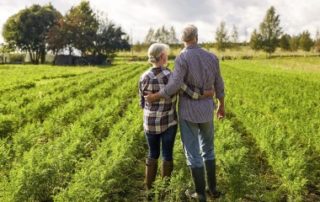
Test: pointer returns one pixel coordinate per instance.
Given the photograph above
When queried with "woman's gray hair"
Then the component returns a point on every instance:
(155, 51)
(189, 33)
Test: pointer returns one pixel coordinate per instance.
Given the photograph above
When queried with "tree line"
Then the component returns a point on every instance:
(39, 29)
(161, 35)
(268, 37)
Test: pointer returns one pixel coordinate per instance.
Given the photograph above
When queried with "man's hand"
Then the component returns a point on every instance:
(152, 97)
(207, 93)
(220, 112)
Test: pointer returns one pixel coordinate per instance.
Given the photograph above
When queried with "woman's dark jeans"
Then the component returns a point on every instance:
(166, 139)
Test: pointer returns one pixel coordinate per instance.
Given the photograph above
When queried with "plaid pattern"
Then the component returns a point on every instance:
(159, 116)
(191, 91)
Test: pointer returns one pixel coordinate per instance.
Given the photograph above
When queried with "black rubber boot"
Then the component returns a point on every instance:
(199, 184)
(211, 179)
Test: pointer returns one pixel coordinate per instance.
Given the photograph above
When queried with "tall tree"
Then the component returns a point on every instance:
(284, 42)
(317, 42)
(149, 37)
(222, 37)
(82, 25)
(305, 41)
(234, 36)
(256, 40)
(270, 31)
(294, 43)
(27, 30)
(90, 32)
(4, 48)
(157, 35)
(59, 38)
(162, 35)
(109, 38)
(172, 36)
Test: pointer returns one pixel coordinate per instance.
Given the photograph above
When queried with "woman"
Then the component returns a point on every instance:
(160, 118)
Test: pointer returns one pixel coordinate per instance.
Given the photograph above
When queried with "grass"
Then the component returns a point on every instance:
(267, 148)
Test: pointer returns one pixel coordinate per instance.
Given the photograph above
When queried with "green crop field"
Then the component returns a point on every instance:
(75, 133)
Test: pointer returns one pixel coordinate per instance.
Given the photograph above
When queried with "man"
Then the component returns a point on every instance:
(199, 68)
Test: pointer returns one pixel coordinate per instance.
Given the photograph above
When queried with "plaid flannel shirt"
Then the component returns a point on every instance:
(160, 115)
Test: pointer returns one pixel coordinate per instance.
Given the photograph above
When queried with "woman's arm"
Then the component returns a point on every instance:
(143, 86)
(196, 93)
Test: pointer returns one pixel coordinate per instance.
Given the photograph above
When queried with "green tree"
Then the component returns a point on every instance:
(255, 40)
(162, 35)
(58, 37)
(4, 48)
(222, 38)
(149, 37)
(81, 26)
(317, 42)
(270, 31)
(234, 36)
(27, 30)
(109, 39)
(173, 36)
(284, 42)
(305, 41)
(294, 43)
(88, 31)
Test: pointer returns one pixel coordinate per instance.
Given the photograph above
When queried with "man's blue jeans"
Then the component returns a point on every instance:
(167, 141)
(197, 140)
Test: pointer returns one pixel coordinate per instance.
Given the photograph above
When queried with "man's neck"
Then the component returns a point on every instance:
(187, 44)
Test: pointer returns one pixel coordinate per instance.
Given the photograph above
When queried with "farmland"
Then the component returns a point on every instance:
(75, 133)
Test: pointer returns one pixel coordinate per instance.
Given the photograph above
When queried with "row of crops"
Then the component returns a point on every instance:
(282, 114)
(80, 138)
(23, 76)
(52, 136)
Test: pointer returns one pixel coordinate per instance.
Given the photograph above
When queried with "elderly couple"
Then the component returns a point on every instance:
(196, 77)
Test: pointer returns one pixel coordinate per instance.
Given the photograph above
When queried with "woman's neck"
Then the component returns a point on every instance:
(158, 65)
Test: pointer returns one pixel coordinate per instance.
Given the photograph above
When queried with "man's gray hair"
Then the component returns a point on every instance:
(189, 33)
(155, 51)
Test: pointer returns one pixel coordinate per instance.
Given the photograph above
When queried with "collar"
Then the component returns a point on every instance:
(193, 46)
(157, 67)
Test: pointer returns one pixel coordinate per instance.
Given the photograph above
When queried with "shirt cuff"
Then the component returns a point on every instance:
(219, 95)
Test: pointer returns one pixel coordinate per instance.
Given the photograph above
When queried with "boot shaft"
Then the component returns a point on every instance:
(211, 178)
(211, 174)
(167, 168)
(198, 177)
(151, 172)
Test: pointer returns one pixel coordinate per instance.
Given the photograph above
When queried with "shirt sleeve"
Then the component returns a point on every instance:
(192, 92)
(143, 84)
(176, 80)
(218, 83)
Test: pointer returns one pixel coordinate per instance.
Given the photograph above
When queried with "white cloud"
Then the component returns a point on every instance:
(137, 17)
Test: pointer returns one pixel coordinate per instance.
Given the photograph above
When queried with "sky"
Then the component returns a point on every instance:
(136, 17)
